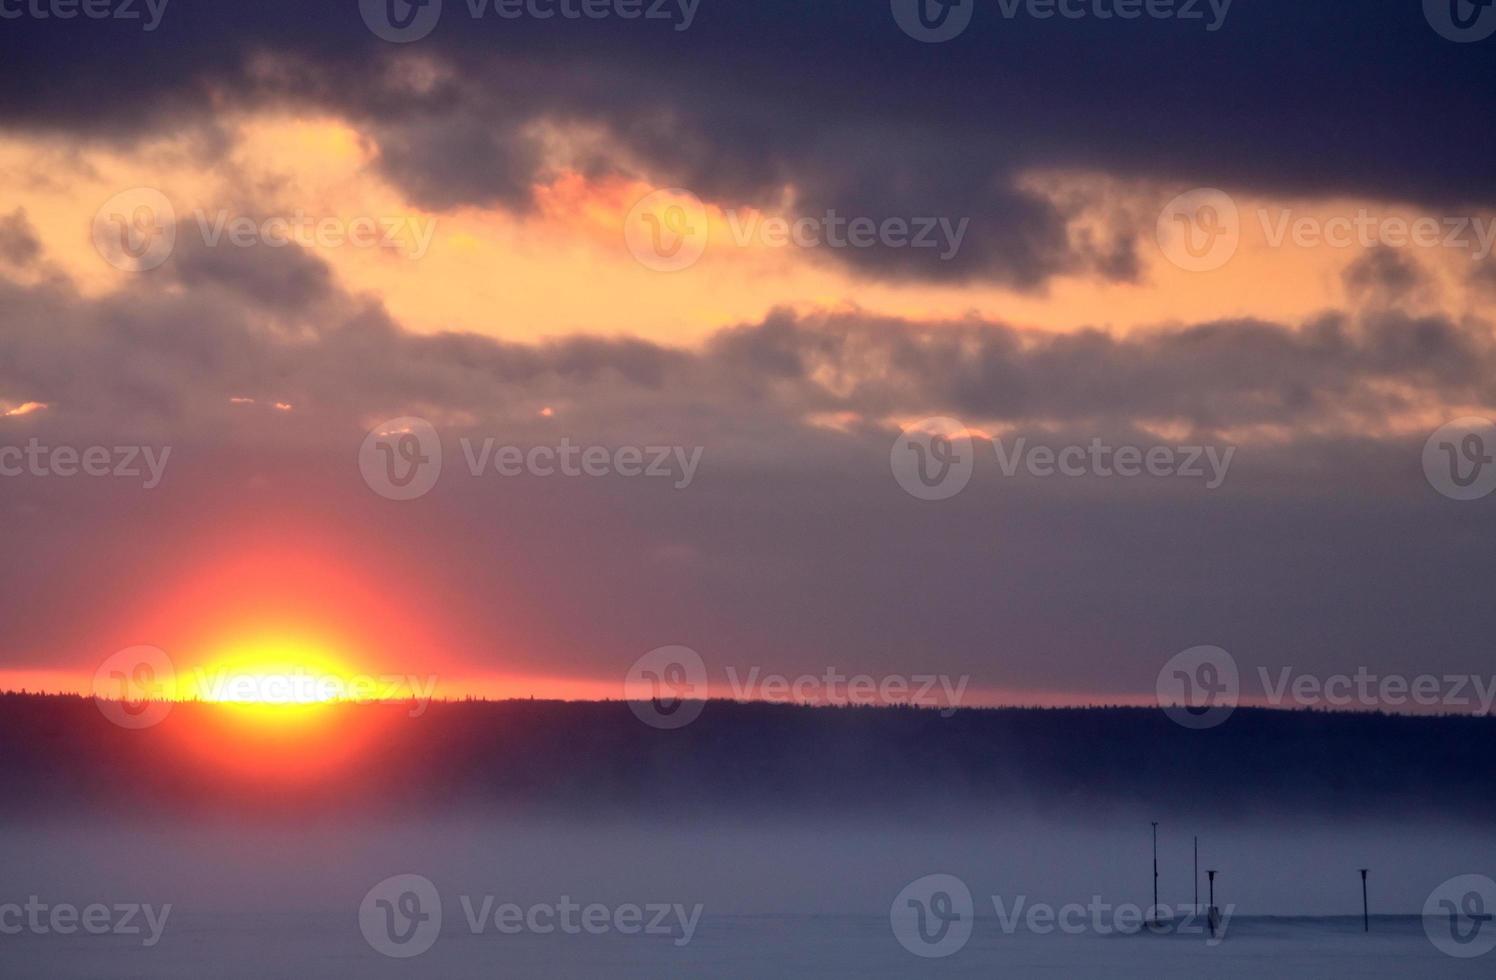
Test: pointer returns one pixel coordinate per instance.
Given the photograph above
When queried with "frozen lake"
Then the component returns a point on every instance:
(306, 946)
(793, 899)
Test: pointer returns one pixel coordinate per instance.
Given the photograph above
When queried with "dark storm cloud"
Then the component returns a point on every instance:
(1285, 97)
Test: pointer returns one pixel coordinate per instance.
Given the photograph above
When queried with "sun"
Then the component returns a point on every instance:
(272, 670)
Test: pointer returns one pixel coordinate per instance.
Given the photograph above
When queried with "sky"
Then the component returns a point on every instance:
(738, 249)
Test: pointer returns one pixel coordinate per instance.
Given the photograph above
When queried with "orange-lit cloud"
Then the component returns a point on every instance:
(519, 276)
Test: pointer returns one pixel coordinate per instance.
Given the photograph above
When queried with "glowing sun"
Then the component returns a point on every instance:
(276, 670)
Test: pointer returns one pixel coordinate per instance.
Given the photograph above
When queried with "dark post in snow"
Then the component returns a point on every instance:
(1213, 914)
(1155, 872)
(1197, 874)
(1365, 907)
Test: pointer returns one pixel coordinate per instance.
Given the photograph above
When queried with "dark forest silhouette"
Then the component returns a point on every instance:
(59, 752)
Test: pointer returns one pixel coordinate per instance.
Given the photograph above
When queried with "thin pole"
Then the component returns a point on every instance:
(1197, 874)
(1210, 912)
(1155, 870)
(1365, 907)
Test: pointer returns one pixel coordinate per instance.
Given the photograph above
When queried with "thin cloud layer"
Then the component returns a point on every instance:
(172, 348)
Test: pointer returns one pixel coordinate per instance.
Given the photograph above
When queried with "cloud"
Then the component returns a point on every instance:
(1385, 276)
(18, 243)
(1483, 276)
(285, 277)
(794, 547)
(761, 98)
(1337, 370)
(174, 345)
